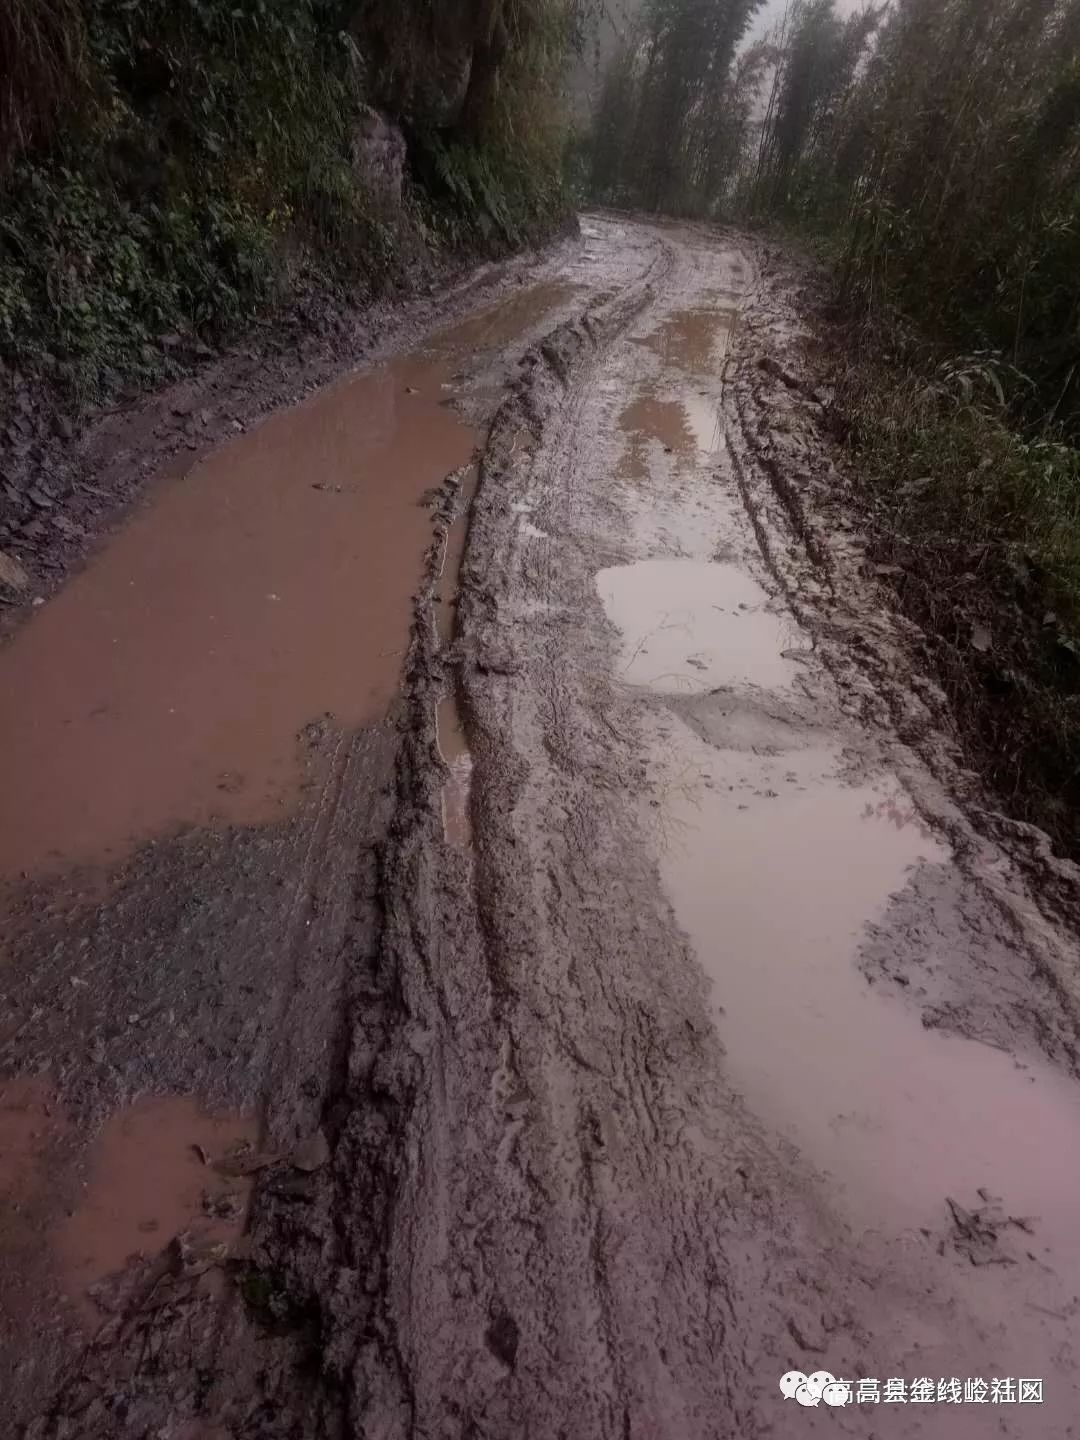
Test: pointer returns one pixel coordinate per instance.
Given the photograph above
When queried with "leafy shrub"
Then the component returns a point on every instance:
(180, 143)
(980, 526)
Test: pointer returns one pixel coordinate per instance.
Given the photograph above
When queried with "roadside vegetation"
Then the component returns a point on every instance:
(170, 168)
(929, 150)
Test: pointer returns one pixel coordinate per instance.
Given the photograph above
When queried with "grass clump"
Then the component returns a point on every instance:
(154, 195)
(978, 525)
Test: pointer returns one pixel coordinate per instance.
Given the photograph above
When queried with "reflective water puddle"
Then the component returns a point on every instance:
(682, 419)
(690, 626)
(695, 340)
(454, 748)
(774, 865)
(776, 856)
(687, 427)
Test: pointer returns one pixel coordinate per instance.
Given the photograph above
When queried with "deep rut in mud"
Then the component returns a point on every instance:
(685, 1020)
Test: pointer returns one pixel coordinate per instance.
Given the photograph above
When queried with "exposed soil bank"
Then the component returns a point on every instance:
(636, 1015)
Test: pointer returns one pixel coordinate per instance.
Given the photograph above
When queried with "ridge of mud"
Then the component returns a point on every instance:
(788, 478)
(433, 941)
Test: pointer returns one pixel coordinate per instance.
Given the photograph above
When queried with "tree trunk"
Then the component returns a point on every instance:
(490, 44)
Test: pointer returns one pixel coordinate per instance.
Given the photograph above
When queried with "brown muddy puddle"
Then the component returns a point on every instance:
(775, 864)
(682, 419)
(33, 1131)
(687, 427)
(695, 340)
(32, 1123)
(167, 684)
(29, 1119)
(147, 1178)
(513, 316)
(147, 1183)
(690, 626)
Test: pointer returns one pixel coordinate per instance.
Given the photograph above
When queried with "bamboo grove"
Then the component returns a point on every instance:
(938, 141)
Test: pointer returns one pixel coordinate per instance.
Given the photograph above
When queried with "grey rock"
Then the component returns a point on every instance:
(12, 575)
(378, 156)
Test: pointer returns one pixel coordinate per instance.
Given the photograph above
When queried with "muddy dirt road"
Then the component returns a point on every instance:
(498, 939)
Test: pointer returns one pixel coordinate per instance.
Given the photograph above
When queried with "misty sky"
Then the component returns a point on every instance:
(772, 10)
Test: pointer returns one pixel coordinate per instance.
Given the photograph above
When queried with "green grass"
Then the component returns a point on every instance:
(982, 522)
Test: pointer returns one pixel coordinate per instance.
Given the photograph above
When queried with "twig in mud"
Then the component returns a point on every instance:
(638, 649)
(684, 681)
(669, 829)
(662, 625)
(686, 785)
(614, 730)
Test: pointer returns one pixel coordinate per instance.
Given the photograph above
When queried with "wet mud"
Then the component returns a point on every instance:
(901, 1115)
(635, 669)
(200, 771)
(695, 340)
(687, 428)
(151, 1176)
(689, 1029)
(454, 750)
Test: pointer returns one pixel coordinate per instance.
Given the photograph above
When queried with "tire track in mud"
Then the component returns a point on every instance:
(325, 1269)
(593, 1235)
(476, 1096)
(871, 651)
(576, 1261)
